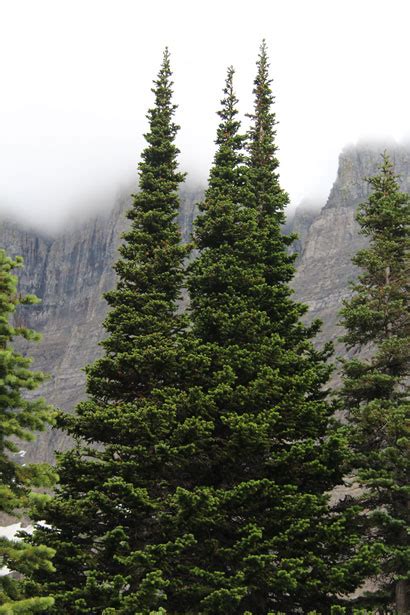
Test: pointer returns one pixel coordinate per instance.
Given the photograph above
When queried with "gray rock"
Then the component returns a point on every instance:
(324, 268)
(300, 222)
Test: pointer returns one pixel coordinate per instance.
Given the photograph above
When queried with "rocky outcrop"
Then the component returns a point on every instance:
(300, 222)
(72, 271)
(324, 268)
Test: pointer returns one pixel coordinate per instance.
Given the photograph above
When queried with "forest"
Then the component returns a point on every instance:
(207, 455)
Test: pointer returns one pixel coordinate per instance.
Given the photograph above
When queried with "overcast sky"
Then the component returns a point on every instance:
(76, 78)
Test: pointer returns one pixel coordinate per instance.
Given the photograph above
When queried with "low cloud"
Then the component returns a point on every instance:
(76, 88)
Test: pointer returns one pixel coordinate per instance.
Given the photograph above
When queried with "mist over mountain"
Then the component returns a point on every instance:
(71, 271)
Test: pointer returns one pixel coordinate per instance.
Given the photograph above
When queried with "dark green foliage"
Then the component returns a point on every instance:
(376, 388)
(269, 200)
(255, 500)
(19, 418)
(207, 492)
(341, 610)
(106, 517)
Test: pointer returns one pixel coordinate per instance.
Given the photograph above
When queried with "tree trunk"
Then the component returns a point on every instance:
(402, 597)
(387, 282)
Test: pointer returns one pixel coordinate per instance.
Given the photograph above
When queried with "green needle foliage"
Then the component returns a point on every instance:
(105, 520)
(254, 499)
(207, 492)
(19, 419)
(376, 388)
(266, 195)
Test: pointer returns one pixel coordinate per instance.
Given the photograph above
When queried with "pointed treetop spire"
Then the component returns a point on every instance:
(230, 101)
(226, 174)
(263, 164)
(263, 61)
(263, 118)
(166, 64)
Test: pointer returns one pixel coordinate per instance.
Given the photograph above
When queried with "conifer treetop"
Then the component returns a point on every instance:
(226, 174)
(263, 131)
(261, 144)
(159, 159)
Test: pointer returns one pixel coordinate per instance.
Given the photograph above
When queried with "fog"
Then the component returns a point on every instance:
(76, 78)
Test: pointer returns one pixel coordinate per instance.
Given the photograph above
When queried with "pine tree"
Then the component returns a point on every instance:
(254, 497)
(207, 492)
(375, 390)
(19, 419)
(104, 521)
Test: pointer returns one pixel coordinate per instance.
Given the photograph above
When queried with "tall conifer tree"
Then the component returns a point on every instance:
(105, 516)
(257, 504)
(209, 493)
(19, 418)
(376, 388)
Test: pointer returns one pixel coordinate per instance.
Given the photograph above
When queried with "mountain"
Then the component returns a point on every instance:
(331, 237)
(300, 222)
(70, 272)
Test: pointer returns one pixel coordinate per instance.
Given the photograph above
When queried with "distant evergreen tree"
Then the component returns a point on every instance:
(104, 521)
(19, 418)
(376, 387)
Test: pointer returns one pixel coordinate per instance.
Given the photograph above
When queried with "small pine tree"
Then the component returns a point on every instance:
(375, 390)
(19, 418)
(104, 521)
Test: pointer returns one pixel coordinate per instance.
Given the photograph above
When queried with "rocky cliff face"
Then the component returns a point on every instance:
(300, 222)
(324, 268)
(72, 271)
(69, 274)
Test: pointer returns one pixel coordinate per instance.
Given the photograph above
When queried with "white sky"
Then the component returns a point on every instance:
(76, 78)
